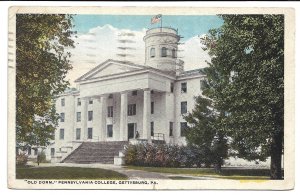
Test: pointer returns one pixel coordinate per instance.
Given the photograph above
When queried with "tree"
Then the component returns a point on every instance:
(246, 79)
(205, 130)
(41, 67)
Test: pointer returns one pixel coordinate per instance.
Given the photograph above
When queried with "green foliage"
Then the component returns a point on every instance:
(41, 67)
(246, 79)
(41, 158)
(162, 155)
(67, 173)
(21, 159)
(206, 131)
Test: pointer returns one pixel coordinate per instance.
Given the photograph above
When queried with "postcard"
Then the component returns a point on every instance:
(151, 98)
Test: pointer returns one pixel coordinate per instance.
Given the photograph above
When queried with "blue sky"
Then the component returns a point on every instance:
(187, 25)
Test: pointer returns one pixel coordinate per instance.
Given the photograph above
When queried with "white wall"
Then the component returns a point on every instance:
(193, 89)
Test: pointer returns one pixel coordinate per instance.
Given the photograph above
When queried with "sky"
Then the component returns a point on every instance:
(97, 39)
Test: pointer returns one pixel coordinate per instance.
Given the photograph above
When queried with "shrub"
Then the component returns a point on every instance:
(163, 155)
(42, 157)
(21, 159)
(131, 154)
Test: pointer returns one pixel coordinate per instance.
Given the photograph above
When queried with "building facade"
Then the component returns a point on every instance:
(122, 101)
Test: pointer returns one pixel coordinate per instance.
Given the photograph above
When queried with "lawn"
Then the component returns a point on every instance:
(227, 173)
(67, 173)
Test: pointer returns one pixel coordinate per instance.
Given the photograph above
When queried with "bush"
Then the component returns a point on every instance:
(21, 159)
(41, 158)
(162, 155)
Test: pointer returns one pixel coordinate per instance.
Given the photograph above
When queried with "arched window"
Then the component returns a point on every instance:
(163, 52)
(152, 52)
(173, 53)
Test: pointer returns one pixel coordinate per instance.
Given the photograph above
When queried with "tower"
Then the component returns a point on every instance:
(161, 47)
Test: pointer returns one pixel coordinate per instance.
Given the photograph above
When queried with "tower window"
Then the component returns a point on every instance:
(163, 52)
(173, 53)
(152, 52)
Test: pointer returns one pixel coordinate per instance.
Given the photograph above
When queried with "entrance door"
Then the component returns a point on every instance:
(131, 130)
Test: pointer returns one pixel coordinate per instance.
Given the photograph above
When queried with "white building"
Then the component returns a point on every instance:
(117, 100)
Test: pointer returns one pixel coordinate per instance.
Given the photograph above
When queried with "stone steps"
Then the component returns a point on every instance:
(96, 152)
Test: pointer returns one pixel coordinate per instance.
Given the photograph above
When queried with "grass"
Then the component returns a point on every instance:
(67, 173)
(227, 173)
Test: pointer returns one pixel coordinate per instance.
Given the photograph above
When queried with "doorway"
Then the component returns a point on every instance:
(131, 130)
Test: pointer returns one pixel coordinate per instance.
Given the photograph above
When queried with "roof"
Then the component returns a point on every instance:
(141, 67)
(192, 72)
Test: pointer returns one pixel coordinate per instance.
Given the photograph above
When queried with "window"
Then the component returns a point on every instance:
(78, 102)
(52, 151)
(35, 151)
(110, 96)
(163, 52)
(29, 151)
(90, 115)
(90, 101)
(78, 116)
(152, 128)
(62, 117)
(171, 129)
(109, 131)
(152, 52)
(183, 128)
(134, 93)
(173, 53)
(62, 101)
(183, 107)
(78, 133)
(131, 109)
(183, 88)
(61, 134)
(90, 133)
(172, 87)
(152, 107)
(110, 111)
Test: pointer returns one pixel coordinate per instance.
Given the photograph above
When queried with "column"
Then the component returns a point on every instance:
(84, 103)
(103, 113)
(123, 117)
(146, 115)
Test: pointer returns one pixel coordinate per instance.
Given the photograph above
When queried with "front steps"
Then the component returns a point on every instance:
(96, 152)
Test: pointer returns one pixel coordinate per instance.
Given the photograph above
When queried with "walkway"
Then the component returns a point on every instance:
(131, 174)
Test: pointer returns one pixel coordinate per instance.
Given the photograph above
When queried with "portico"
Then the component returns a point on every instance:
(128, 98)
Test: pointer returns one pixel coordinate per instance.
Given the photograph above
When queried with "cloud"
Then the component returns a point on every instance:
(101, 43)
(193, 55)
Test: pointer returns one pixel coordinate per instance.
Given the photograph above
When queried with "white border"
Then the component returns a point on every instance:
(3, 78)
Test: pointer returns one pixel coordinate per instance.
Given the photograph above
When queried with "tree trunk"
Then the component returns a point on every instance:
(218, 166)
(276, 156)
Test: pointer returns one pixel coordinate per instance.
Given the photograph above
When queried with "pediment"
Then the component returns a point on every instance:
(109, 67)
